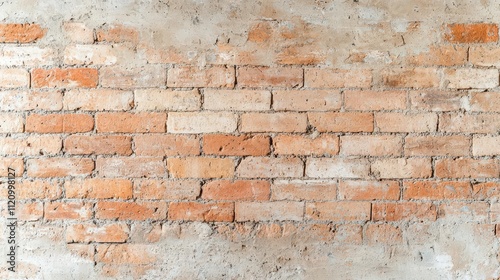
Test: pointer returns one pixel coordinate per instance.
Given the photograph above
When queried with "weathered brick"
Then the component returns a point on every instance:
(485, 101)
(304, 190)
(31, 100)
(131, 167)
(486, 145)
(200, 167)
(377, 234)
(406, 211)
(202, 122)
(337, 168)
(213, 77)
(371, 145)
(139, 210)
(307, 100)
(26, 56)
(486, 191)
(437, 190)
(440, 56)
(484, 55)
(464, 212)
(59, 123)
(270, 77)
(402, 168)
(337, 78)
(369, 190)
(342, 121)
(471, 33)
(269, 211)
(456, 145)
(20, 32)
(59, 167)
(78, 32)
(29, 211)
(205, 212)
(9, 163)
(68, 211)
(11, 123)
(264, 167)
(90, 55)
(368, 100)
(237, 100)
(169, 190)
(30, 145)
(97, 144)
(230, 145)
(465, 78)
(467, 168)
(338, 211)
(117, 33)
(411, 78)
(130, 122)
(242, 190)
(166, 145)
(398, 122)
(348, 234)
(469, 123)
(34, 189)
(438, 100)
(166, 99)
(127, 77)
(273, 122)
(97, 188)
(14, 78)
(98, 100)
(125, 254)
(86, 233)
(324, 144)
(64, 78)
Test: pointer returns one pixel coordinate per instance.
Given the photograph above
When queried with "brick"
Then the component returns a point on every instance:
(467, 168)
(167, 100)
(368, 100)
(260, 32)
(270, 77)
(495, 213)
(68, 211)
(130, 122)
(342, 121)
(337, 168)
(242, 145)
(401, 168)
(64, 78)
(371, 145)
(34, 189)
(485, 56)
(13, 163)
(169, 190)
(30, 100)
(98, 100)
(337, 78)
(410, 78)
(14, 78)
(437, 190)
(465, 212)
(131, 167)
(117, 33)
(438, 100)
(486, 191)
(456, 145)
(403, 211)
(307, 100)
(26, 56)
(20, 32)
(273, 122)
(241, 190)
(348, 234)
(166, 145)
(121, 77)
(86, 233)
(98, 144)
(324, 144)
(78, 32)
(59, 123)
(369, 190)
(440, 56)
(97, 188)
(303, 190)
(31, 145)
(471, 33)
(89, 55)
(466, 78)
(264, 167)
(485, 101)
(338, 211)
(237, 100)
(121, 254)
(200, 167)
(486, 145)
(138, 211)
(29, 211)
(59, 167)
(213, 77)
(195, 211)
(377, 234)
(269, 211)
(202, 122)
(398, 122)
(11, 123)
(468, 123)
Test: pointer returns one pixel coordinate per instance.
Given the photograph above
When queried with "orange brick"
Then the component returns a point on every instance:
(11, 123)
(411, 78)
(140, 210)
(485, 101)
(86, 233)
(307, 100)
(30, 145)
(200, 167)
(369, 190)
(166, 145)
(194, 211)
(29, 211)
(304, 190)
(471, 33)
(213, 77)
(131, 167)
(230, 145)
(117, 33)
(98, 100)
(368, 100)
(270, 77)
(14, 78)
(465, 212)
(371, 145)
(78, 32)
(64, 78)
(338, 211)
(440, 56)
(465, 78)
(59, 123)
(486, 191)
(202, 122)
(467, 168)
(486, 145)
(437, 100)
(377, 234)
(169, 190)
(127, 77)
(59, 167)
(129, 254)
(260, 32)
(437, 190)
(398, 122)
(337, 168)
(402, 168)
(97, 144)
(324, 144)
(8, 163)
(34, 189)
(273, 122)
(20, 32)
(484, 55)
(31, 100)
(236, 190)
(130, 122)
(269, 211)
(98, 188)
(342, 121)
(166, 99)
(456, 145)
(337, 78)
(265, 167)
(68, 211)
(237, 100)
(467, 123)
(395, 211)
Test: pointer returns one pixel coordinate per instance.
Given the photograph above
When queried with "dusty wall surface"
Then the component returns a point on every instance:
(250, 139)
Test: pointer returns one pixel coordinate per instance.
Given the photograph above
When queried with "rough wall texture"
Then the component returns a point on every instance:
(284, 139)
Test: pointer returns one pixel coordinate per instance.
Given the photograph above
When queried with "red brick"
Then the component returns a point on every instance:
(398, 122)
(486, 145)
(242, 190)
(14, 78)
(269, 211)
(20, 32)
(168, 190)
(377, 234)
(371, 145)
(468, 123)
(338, 211)
(438, 100)
(230, 145)
(265, 167)
(369, 190)
(304, 190)
(59, 167)
(97, 144)
(129, 254)
(213, 77)
(471, 33)
(465, 78)
(342, 121)
(64, 78)
(368, 100)
(307, 100)
(86, 233)
(202, 122)
(337, 78)
(31, 145)
(11, 123)
(98, 100)
(237, 100)
(455, 145)
(117, 33)
(130, 122)
(68, 211)
(59, 123)
(98, 188)
(440, 56)
(34, 189)
(403, 211)
(194, 211)
(485, 101)
(400, 168)
(166, 99)
(133, 167)
(324, 144)
(437, 190)
(337, 168)
(166, 145)
(467, 168)
(139, 210)
(270, 77)
(121, 77)
(464, 212)
(411, 78)
(200, 167)
(13, 163)
(16, 100)
(273, 122)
